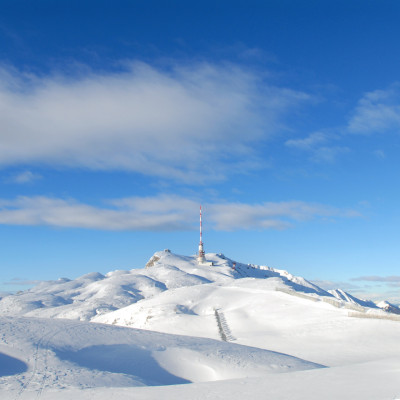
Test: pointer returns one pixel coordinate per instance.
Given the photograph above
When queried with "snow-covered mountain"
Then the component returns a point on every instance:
(94, 294)
(347, 297)
(388, 307)
(264, 328)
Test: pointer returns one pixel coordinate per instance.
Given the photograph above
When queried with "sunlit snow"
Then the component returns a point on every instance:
(177, 328)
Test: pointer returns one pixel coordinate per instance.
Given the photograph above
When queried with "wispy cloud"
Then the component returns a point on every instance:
(373, 288)
(24, 177)
(318, 145)
(280, 215)
(133, 214)
(331, 285)
(380, 154)
(308, 143)
(186, 122)
(377, 112)
(375, 278)
(329, 154)
(21, 282)
(379, 287)
(163, 212)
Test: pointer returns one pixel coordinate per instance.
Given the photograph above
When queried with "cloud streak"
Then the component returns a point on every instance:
(21, 282)
(24, 177)
(332, 285)
(377, 112)
(308, 143)
(161, 213)
(318, 145)
(375, 278)
(185, 122)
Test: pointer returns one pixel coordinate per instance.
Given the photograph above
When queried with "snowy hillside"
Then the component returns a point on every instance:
(95, 294)
(388, 307)
(70, 351)
(347, 297)
(240, 322)
(64, 359)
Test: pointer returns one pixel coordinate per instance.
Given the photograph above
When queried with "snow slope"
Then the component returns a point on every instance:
(95, 294)
(63, 359)
(388, 307)
(42, 354)
(265, 330)
(258, 315)
(342, 295)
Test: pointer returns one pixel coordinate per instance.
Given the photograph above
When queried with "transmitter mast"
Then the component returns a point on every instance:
(201, 257)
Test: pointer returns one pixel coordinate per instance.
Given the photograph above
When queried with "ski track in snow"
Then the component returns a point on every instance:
(89, 353)
(40, 356)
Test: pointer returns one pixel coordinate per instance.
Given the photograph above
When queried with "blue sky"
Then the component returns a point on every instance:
(281, 117)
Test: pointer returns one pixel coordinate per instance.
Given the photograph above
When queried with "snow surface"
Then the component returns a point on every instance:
(283, 337)
(95, 294)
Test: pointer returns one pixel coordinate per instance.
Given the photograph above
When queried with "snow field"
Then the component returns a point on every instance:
(58, 354)
(273, 320)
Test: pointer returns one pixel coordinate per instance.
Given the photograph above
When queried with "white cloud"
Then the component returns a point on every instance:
(380, 154)
(163, 212)
(309, 142)
(332, 285)
(376, 278)
(132, 214)
(22, 282)
(379, 288)
(279, 215)
(329, 154)
(25, 177)
(377, 112)
(317, 144)
(376, 294)
(188, 122)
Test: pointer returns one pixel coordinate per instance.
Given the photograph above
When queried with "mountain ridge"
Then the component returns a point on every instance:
(94, 294)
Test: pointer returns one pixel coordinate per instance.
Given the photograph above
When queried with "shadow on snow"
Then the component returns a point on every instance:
(123, 359)
(11, 366)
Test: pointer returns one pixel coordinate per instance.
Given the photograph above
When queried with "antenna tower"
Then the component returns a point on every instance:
(201, 257)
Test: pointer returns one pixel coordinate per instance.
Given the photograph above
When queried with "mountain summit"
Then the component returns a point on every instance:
(170, 281)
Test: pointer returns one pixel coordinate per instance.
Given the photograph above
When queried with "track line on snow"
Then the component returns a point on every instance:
(33, 373)
(46, 354)
(42, 346)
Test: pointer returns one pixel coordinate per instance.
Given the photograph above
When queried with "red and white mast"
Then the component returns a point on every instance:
(201, 257)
